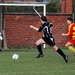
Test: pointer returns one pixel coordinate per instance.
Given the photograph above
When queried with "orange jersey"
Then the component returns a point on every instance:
(71, 31)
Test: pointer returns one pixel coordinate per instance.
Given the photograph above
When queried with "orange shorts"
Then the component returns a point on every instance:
(72, 41)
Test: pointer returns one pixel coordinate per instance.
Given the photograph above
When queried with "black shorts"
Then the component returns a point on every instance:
(50, 41)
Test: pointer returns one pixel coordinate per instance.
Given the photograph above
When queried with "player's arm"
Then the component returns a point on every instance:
(38, 29)
(69, 32)
(35, 28)
(63, 34)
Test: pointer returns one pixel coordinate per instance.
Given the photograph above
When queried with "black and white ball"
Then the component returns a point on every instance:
(15, 56)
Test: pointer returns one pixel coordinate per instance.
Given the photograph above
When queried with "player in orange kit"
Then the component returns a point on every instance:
(71, 32)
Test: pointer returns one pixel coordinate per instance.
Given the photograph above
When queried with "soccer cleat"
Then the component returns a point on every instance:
(66, 58)
(39, 55)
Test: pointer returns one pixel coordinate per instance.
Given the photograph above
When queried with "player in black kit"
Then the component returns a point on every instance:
(48, 38)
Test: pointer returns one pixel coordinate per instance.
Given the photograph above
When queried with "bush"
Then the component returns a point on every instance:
(53, 6)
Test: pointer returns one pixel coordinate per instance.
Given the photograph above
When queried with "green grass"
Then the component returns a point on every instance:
(51, 64)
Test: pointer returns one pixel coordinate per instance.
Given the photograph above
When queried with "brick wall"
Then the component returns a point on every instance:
(66, 6)
(18, 32)
(69, 6)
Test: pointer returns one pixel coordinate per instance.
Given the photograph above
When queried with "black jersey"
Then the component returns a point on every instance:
(46, 27)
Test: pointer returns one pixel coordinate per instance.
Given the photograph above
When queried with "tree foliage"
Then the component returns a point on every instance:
(53, 6)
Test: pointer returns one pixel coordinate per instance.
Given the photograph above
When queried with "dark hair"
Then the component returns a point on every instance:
(70, 19)
(43, 18)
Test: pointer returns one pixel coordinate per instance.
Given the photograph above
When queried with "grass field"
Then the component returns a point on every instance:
(51, 64)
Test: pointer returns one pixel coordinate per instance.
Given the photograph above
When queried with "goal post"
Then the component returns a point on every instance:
(43, 5)
(15, 4)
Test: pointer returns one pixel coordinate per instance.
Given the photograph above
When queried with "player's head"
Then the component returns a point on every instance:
(69, 20)
(43, 18)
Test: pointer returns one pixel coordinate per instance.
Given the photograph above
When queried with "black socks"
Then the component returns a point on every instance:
(61, 52)
(39, 49)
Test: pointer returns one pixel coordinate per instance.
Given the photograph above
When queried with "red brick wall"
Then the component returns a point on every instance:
(66, 6)
(18, 32)
(69, 6)
(63, 6)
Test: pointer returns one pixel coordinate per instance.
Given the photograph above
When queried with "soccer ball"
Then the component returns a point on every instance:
(15, 56)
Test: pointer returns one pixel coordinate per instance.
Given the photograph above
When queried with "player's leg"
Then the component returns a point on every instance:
(68, 45)
(39, 43)
(61, 53)
(51, 42)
